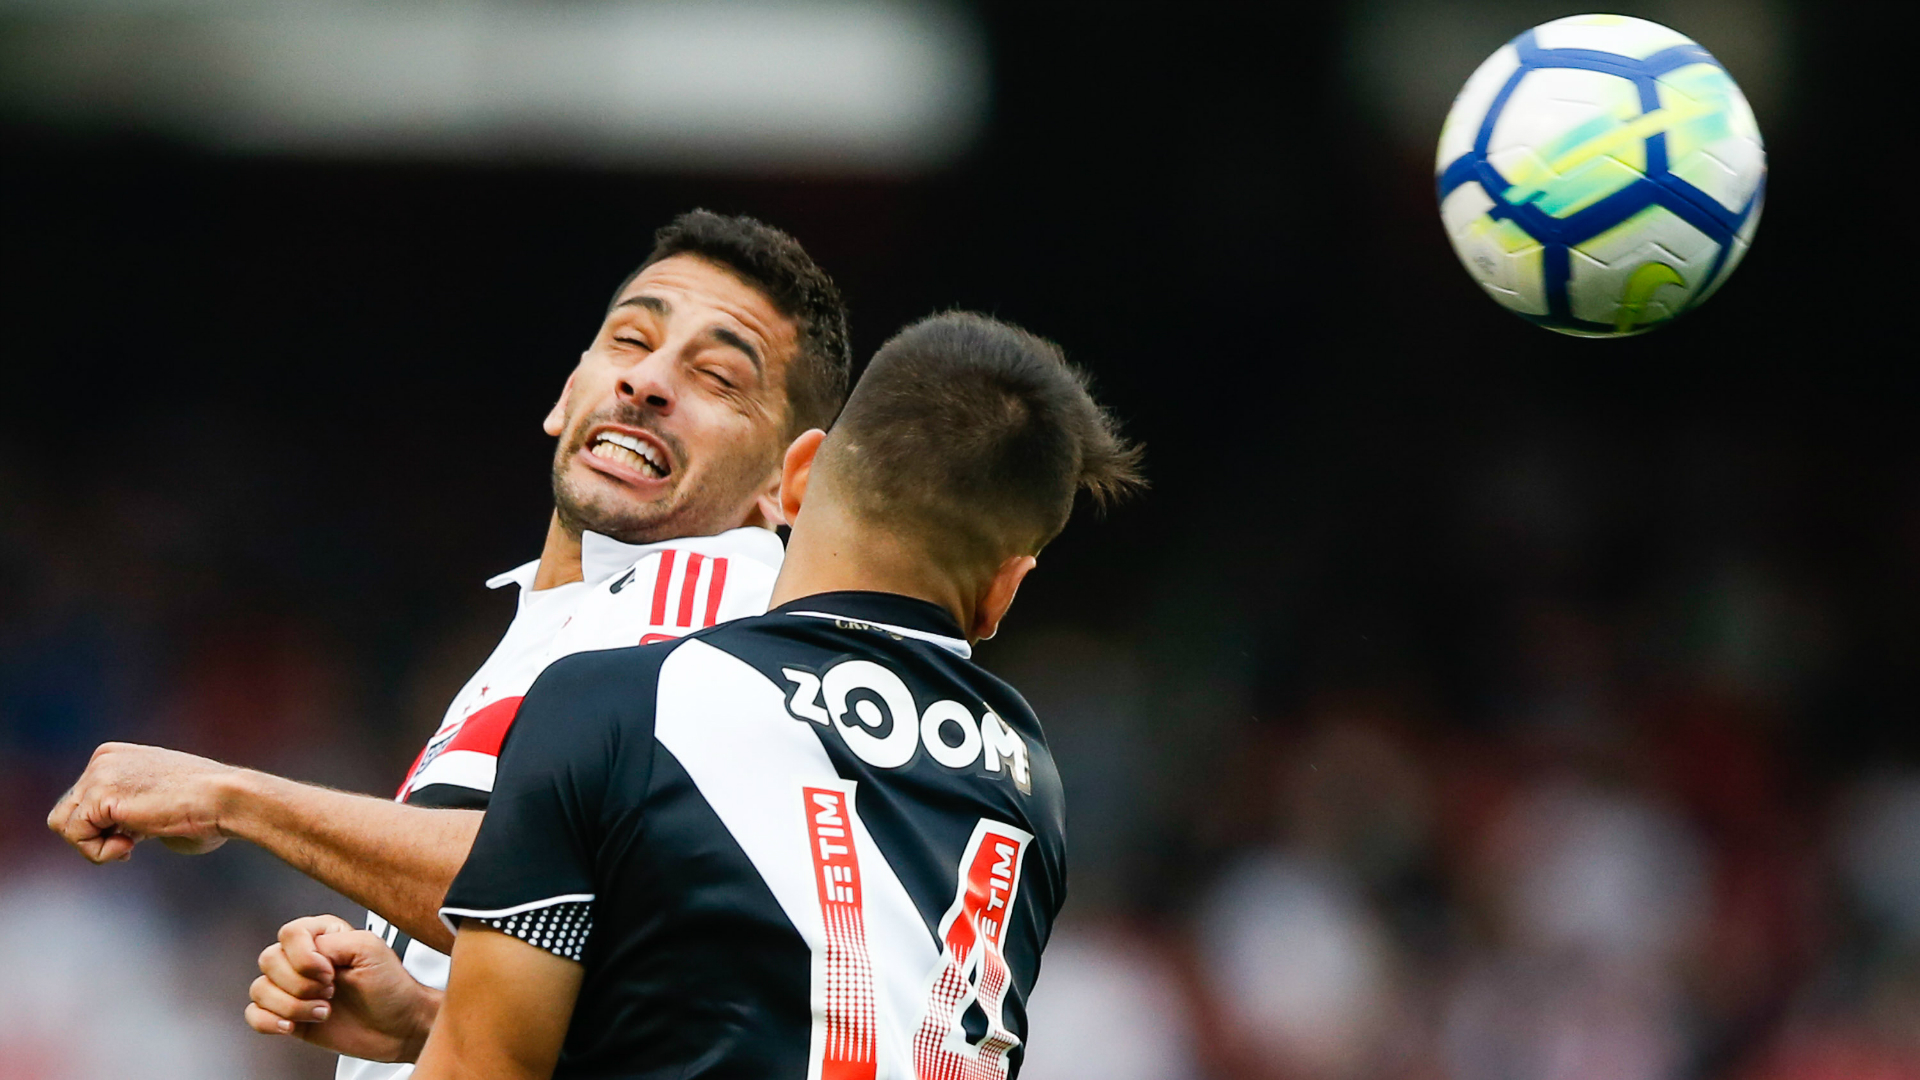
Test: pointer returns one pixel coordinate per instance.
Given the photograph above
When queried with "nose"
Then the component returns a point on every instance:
(650, 383)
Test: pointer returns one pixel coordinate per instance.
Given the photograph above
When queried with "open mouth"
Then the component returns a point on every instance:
(631, 451)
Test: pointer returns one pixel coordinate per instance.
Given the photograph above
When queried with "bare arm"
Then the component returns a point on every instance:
(505, 1013)
(393, 859)
(396, 860)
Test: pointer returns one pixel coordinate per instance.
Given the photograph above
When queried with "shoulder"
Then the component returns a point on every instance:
(762, 640)
(603, 673)
(597, 691)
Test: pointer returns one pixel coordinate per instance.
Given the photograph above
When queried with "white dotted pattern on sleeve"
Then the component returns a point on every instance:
(561, 929)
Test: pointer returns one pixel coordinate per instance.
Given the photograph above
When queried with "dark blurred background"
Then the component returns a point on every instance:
(1464, 702)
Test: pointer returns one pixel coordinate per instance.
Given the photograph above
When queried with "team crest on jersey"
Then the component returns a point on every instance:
(434, 748)
(876, 716)
(480, 731)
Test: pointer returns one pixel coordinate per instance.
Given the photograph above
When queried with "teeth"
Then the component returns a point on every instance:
(643, 449)
(616, 452)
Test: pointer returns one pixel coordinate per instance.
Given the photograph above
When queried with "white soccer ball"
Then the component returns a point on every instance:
(1600, 174)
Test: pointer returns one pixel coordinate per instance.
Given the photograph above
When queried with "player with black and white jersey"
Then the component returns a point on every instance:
(820, 842)
(726, 343)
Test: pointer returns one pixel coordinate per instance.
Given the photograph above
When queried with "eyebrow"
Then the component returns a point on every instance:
(651, 303)
(728, 337)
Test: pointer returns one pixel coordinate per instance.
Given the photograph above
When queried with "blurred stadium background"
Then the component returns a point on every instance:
(1465, 702)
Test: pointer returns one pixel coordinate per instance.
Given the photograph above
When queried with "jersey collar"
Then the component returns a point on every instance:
(601, 557)
(906, 616)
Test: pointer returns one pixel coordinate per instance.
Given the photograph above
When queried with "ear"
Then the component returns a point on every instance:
(998, 596)
(796, 471)
(766, 505)
(556, 421)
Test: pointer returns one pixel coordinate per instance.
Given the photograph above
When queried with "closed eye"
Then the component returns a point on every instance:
(634, 341)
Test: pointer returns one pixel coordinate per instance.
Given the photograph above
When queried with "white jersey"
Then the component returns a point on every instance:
(631, 595)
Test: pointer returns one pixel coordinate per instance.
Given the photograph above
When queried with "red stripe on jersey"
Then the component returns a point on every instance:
(485, 730)
(411, 769)
(849, 1051)
(660, 584)
(687, 584)
(714, 589)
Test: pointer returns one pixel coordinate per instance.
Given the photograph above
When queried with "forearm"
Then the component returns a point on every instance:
(398, 1036)
(421, 1017)
(395, 859)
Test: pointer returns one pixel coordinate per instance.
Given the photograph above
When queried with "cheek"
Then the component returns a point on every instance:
(727, 441)
(593, 384)
(570, 423)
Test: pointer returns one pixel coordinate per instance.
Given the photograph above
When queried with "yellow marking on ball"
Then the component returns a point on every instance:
(1640, 288)
(1642, 127)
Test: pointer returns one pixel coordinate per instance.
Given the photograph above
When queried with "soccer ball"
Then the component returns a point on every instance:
(1599, 175)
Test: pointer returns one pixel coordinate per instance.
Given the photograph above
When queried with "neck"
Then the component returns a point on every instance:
(560, 562)
(559, 557)
(832, 554)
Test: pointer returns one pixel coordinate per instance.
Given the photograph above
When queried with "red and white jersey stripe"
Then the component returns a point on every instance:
(632, 595)
(843, 975)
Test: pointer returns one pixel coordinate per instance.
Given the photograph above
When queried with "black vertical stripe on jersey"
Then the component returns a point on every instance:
(707, 977)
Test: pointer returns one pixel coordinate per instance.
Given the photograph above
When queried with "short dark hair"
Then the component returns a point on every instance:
(774, 263)
(975, 435)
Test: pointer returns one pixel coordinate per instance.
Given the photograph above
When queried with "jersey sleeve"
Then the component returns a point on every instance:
(561, 929)
(577, 756)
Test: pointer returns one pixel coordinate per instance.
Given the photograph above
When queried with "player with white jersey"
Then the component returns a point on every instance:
(814, 843)
(628, 595)
(712, 356)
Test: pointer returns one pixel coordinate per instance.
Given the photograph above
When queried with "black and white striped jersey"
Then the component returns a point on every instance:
(819, 843)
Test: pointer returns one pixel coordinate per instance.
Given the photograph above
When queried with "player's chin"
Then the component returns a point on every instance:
(616, 511)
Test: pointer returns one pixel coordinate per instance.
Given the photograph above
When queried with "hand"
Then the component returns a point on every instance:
(343, 990)
(129, 793)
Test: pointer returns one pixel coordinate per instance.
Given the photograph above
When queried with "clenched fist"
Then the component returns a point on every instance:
(343, 990)
(130, 793)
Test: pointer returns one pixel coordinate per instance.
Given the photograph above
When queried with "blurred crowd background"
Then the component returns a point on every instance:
(1464, 703)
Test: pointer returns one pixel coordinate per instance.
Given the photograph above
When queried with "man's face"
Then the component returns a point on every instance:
(674, 422)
